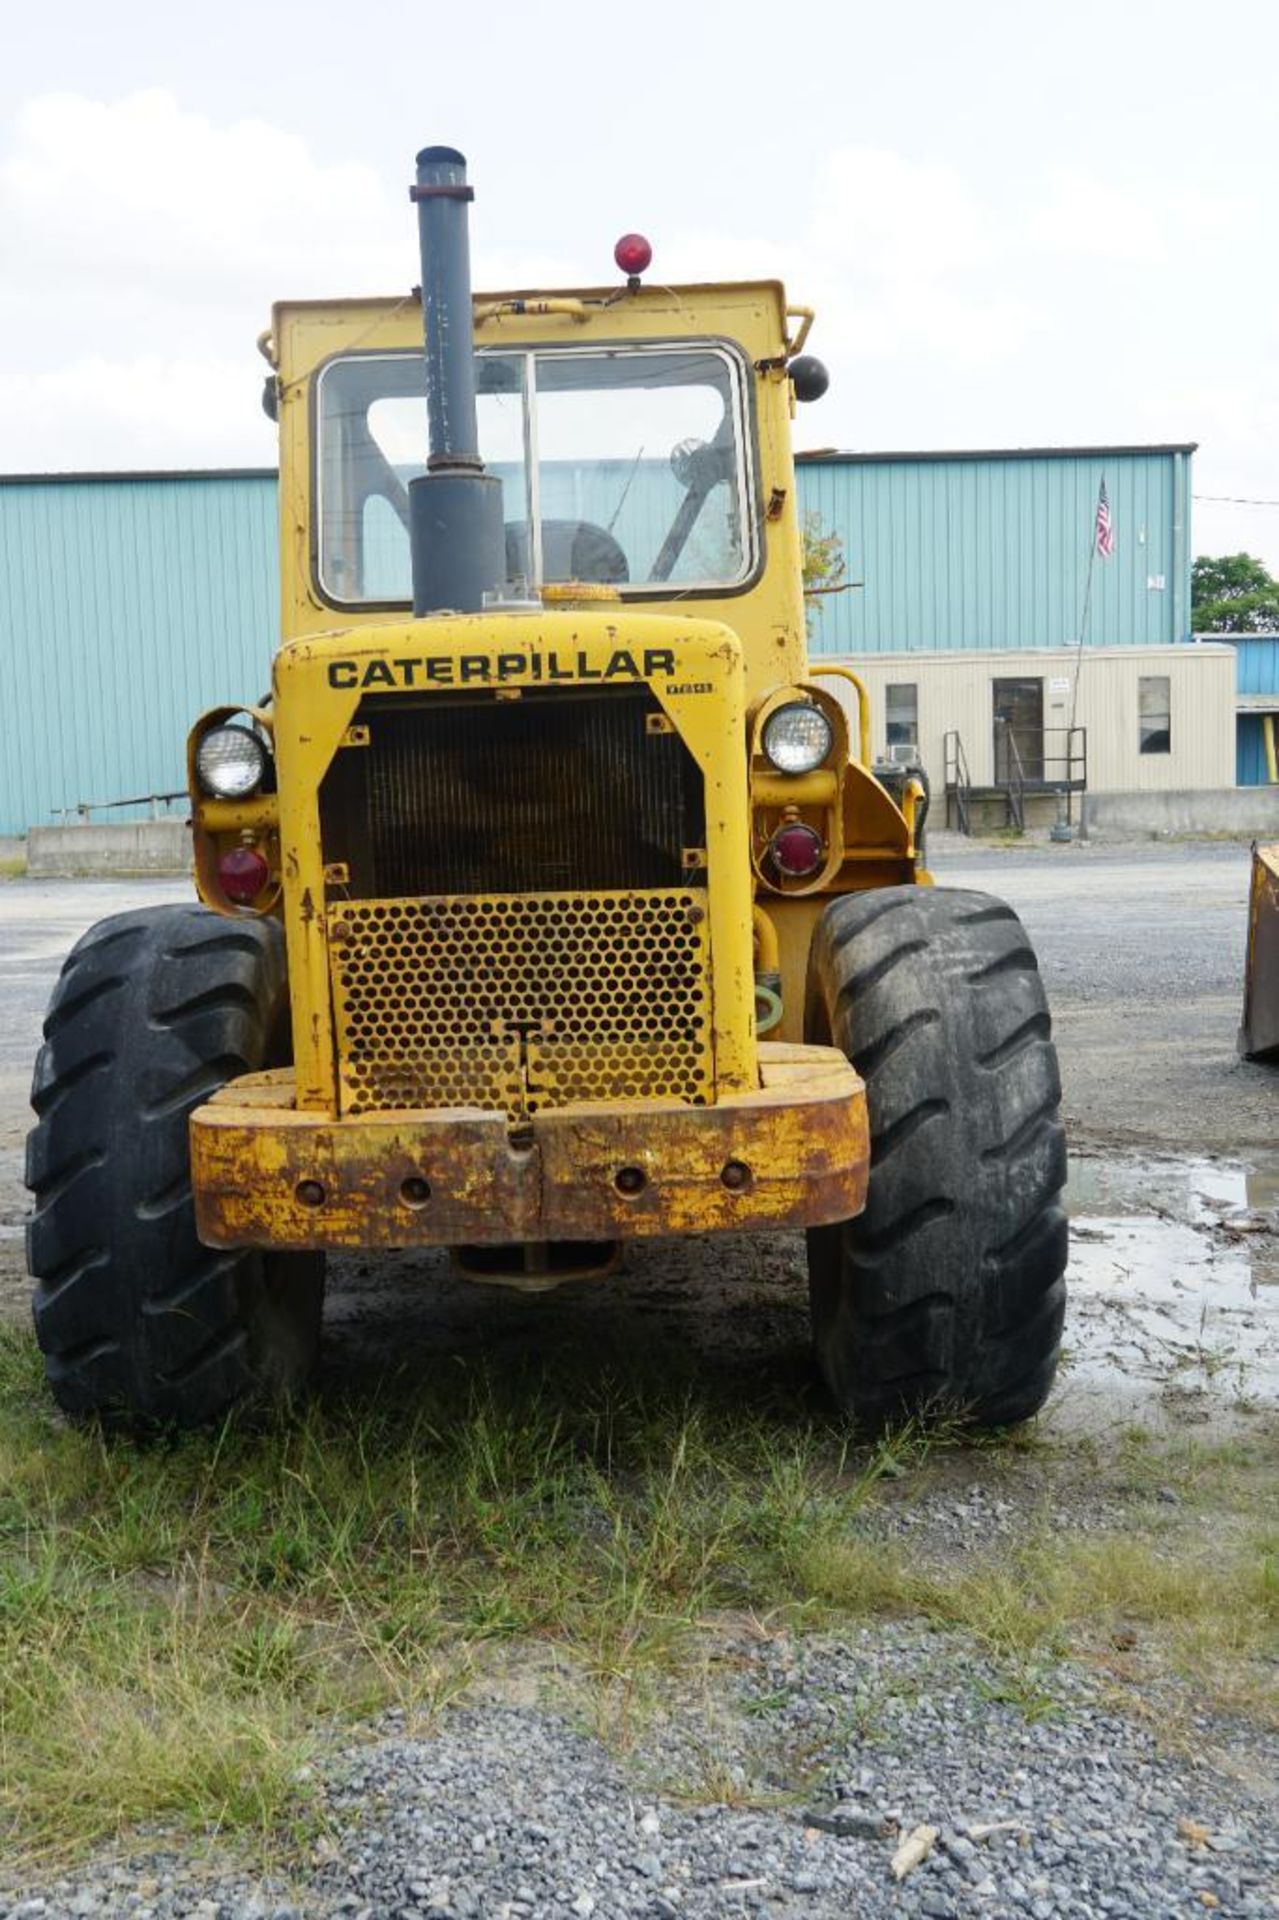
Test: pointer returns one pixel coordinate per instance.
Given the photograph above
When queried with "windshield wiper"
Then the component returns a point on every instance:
(625, 490)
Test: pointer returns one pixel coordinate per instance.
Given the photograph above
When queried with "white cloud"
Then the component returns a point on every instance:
(170, 195)
(1085, 217)
(172, 240)
(895, 219)
(911, 255)
(1090, 217)
(149, 410)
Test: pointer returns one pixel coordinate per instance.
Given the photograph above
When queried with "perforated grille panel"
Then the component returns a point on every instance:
(520, 1002)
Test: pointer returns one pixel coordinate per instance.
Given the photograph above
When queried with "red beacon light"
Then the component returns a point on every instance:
(632, 254)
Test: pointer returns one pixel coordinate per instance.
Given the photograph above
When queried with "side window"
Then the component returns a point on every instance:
(1154, 713)
(901, 711)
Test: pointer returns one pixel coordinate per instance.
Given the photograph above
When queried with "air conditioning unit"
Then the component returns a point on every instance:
(902, 754)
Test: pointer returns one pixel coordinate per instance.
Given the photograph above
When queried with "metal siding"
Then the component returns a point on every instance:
(1257, 664)
(128, 606)
(1250, 752)
(1256, 671)
(992, 552)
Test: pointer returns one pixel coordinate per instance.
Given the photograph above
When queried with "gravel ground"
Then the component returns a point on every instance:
(784, 1781)
(787, 1790)
(1142, 952)
(511, 1811)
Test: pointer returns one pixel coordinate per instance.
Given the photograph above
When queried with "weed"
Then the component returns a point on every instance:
(1025, 1685)
(760, 1705)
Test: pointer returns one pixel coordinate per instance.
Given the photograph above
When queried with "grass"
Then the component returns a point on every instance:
(178, 1619)
(181, 1621)
(13, 867)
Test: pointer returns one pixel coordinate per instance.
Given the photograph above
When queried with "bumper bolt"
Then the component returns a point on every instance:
(736, 1176)
(309, 1193)
(630, 1181)
(415, 1192)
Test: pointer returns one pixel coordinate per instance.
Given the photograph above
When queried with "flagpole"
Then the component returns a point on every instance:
(1079, 648)
(1083, 626)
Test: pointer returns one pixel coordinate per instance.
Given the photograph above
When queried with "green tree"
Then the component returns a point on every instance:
(824, 563)
(1233, 593)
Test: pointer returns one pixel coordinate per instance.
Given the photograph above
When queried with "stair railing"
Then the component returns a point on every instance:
(958, 784)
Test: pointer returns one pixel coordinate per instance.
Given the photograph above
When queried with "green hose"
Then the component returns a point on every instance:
(768, 1008)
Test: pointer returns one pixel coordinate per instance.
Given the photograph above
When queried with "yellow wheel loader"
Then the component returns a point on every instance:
(550, 901)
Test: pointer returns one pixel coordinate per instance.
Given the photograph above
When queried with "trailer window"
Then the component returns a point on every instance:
(901, 719)
(1154, 713)
(627, 466)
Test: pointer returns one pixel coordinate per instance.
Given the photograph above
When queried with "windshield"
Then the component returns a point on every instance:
(626, 466)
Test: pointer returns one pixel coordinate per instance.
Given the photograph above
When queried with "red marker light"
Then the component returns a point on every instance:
(242, 874)
(632, 254)
(796, 850)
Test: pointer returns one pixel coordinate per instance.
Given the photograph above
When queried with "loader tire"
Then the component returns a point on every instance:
(152, 1013)
(948, 1292)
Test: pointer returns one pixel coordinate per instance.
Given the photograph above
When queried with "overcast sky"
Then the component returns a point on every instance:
(1021, 224)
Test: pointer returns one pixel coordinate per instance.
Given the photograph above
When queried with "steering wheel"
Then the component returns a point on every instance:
(699, 466)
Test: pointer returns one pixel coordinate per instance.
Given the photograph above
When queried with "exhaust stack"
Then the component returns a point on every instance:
(456, 531)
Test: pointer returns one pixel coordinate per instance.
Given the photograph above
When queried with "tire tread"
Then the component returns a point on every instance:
(134, 1315)
(949, 1288)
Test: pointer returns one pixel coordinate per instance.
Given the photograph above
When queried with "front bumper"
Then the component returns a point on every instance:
(793, 1153)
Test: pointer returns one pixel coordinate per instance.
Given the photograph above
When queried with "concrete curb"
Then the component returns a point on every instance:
(129, 847)
(1241, 811)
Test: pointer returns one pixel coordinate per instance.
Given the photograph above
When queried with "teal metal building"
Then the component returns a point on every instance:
(995, 550)
(130, 602)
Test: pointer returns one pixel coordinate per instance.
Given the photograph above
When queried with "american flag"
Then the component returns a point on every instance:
(1104, 532)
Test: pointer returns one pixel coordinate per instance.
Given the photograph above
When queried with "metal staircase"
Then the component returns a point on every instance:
(1061, 770)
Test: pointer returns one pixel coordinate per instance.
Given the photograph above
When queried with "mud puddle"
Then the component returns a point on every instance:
(1174, 1293)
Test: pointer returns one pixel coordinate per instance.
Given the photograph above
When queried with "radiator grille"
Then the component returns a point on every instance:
(518, 1003)
(558, 789)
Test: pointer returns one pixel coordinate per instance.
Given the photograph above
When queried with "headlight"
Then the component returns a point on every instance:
(798, 737)
(230, 763)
